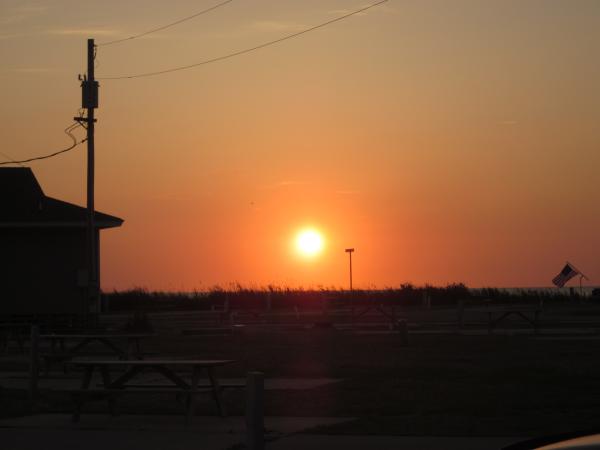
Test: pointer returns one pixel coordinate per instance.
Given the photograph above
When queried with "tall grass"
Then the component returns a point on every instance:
(281, 297)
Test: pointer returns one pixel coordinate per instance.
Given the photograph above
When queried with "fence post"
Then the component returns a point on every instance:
(402, 328)
(34, 362)
(226, 303)
(105, 303)
(426, 301)
(255, 428)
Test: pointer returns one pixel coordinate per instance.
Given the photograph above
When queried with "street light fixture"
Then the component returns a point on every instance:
(349, 251)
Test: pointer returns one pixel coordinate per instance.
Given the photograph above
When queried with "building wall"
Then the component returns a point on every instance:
(40, 271)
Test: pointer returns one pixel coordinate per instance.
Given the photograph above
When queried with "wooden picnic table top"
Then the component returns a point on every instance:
(97, 336)
(156, 362)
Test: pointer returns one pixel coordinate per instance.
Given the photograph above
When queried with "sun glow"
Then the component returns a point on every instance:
(309, 242)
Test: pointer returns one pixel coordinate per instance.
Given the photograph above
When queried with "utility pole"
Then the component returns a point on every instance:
(89, 101)
(349, 251)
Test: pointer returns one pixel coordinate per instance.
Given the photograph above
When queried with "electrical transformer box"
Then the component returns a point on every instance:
(89, 94)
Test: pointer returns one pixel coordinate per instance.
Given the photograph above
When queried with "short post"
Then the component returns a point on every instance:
(255, 427)
(402, 328)
(34, 362)
(426, 300)
(105, 302)
(461, 313)
(226, 303)
(224, 313)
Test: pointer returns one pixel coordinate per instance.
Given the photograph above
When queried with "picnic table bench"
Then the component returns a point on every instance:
(123, 384)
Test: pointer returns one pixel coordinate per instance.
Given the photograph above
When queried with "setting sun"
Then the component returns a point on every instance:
(309, 242)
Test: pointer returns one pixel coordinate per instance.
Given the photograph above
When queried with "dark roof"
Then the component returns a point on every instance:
(23, 204)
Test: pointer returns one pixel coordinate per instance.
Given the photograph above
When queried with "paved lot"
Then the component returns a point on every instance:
(158, 422)
(159, 432)
(18, 439)
(144, 432)
(321, 442)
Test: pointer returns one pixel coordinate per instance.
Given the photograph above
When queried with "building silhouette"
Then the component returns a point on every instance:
(43, 242)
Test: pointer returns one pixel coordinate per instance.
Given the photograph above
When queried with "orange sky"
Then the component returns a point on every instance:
(445, 141)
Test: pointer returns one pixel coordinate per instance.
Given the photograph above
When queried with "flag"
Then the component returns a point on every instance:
(565, 275)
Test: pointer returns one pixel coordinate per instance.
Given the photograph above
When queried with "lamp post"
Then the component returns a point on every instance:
(349, 251)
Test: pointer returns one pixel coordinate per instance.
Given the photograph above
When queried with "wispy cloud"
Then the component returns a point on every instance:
(283, 26)
(276, 25)
(83, 32)
(381, 8)
(32, 9)
(31, 70)
(66, 32)
(172, 196)
(285, 183)
(21, 13)
(11, 36)
(347, 192)
(291, 183)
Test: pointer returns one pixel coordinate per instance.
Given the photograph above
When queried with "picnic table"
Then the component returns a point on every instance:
(386, 311)
(496, 314)
(528, 313)
(133, 368)
(111, 342)
(17, 332)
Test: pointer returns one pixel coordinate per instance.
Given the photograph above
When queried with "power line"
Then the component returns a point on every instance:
(247, 50)
(10, 159)
(177, 22)
(68, 131)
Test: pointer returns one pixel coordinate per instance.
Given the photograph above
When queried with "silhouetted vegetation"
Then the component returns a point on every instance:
(274, 297)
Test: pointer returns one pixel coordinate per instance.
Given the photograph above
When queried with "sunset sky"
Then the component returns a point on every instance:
(446, 141)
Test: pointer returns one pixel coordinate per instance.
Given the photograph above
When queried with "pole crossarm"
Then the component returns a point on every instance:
(83, 119)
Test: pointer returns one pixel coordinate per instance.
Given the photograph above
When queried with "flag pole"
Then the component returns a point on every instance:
(578, 271)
